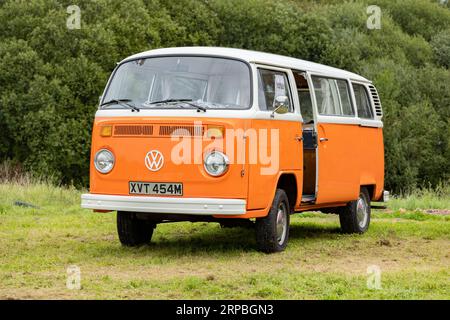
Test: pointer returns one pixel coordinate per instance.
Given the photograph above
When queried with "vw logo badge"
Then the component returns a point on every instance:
(154, 160)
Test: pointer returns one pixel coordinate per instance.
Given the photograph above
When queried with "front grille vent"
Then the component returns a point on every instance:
(158, 130)
(180, 130)
(133, 130)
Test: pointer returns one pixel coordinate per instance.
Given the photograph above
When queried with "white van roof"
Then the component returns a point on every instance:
(254, 57)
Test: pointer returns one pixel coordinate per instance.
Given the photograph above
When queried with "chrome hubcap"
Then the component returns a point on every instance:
(281, 223)
(362, 213)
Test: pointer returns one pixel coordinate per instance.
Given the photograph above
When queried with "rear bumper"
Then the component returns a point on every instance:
(196, 206)
(385, 197)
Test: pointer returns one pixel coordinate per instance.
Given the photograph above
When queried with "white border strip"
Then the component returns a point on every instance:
(150, 204)
(192, 113)
(350, 120)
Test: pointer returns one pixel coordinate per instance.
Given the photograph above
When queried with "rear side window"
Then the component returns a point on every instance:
(362, 101)
(272, 84)
(333, 97)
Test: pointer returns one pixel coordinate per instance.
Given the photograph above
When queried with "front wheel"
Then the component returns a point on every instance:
(355, 217)
(132, 231)
(272, 231)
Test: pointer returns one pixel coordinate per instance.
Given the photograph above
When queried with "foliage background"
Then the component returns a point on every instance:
(51, 77)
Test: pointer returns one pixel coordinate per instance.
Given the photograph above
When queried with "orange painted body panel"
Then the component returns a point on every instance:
(312, 207)
(130, 153)
(372, 159)
(352, 156)
(261, 183)
(339, 162)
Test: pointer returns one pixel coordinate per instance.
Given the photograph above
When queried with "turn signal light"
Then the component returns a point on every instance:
(106, 131)
(215, 132)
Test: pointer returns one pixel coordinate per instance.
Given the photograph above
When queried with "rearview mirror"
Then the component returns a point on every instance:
(280, 105)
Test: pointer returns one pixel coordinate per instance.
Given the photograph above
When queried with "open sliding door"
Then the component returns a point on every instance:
(337, 141)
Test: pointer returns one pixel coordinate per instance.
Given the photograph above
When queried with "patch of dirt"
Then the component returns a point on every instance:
(443, 212)
(391, 255)
(384, 242)
(38, 294)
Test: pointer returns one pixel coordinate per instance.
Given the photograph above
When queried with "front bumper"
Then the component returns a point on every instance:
(196, 206)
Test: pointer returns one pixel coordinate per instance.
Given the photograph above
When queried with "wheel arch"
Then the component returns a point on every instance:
(371, 189)
(288, 182)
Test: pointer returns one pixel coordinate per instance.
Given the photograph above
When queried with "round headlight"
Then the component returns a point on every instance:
(216, 163)
(104, 161)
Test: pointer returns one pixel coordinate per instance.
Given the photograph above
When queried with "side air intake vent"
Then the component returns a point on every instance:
(376, 101)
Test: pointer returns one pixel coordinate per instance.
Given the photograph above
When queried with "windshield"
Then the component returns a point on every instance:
(212, 82)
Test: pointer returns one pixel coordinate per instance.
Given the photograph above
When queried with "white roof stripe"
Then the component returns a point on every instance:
(254, 57)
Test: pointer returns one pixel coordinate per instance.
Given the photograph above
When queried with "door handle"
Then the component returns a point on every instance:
(323, 139)
(298, 138)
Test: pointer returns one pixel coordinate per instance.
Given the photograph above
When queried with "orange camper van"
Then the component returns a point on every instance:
(234, 136)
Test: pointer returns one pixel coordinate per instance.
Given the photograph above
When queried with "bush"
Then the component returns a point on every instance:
(440, 44)
(424, 18)
(413, 147)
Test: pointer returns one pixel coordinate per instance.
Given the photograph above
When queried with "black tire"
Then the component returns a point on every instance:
(267, 237)
(351, 221)
(132, 231)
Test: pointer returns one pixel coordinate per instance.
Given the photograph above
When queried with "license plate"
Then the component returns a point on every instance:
(161, 188)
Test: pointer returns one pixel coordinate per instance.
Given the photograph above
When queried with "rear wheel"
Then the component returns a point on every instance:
(133, 231)
(355, 217)
(272, 231)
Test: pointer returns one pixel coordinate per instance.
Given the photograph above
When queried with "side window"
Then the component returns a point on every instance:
(362, 101)
(344, 94)
(304, 96)
(333, 97)
(272, 84)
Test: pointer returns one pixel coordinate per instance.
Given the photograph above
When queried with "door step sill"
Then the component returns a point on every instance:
(308, 198)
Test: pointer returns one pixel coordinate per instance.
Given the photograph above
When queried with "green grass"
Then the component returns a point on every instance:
(203, 261)
(439, 198)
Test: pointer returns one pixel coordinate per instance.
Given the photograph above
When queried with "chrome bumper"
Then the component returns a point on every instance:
(197, 206)
(385, 196)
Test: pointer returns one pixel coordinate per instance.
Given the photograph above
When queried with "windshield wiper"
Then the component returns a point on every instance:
(123, 102)
(186, 101)
(169, 100)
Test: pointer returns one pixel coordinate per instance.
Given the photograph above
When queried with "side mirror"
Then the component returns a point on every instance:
(280, 105)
